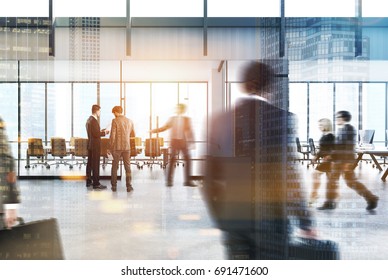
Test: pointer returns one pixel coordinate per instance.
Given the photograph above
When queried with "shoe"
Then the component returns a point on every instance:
(372, 203)
(114, 189)
(328, 205)
(189, 184)
(129, 189)
(99, 187)
(89, 183)
(169, 184)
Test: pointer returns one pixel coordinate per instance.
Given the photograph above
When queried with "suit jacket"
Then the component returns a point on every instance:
(344, 144)
(121, 132)
(250, 175)
(9, 192)
(180, 128)
(94, 133)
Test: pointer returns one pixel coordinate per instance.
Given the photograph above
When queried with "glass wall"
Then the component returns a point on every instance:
(84, 96)
(367, 102)
(9, 112)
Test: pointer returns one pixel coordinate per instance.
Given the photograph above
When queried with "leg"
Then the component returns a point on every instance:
(332, 187)
(96, 170)
(115, 164)
(127, 166)
(89, 169)
(171, 165)
(353, 183)
(238, 246)
(316, 184)
(186, 157)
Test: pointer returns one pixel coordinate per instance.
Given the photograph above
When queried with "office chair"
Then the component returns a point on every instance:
(58, 149)
(136, 149)
(153, 151)
(104, 151)
(313, 150)
(300, 149)
(35, 149)
(81, 150)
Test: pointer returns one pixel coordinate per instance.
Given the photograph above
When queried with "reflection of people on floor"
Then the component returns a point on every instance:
(94, 146)
(181, 137)
(343, 156)
(122, 130)
(326, 143)
(252, 185)
(9, 192)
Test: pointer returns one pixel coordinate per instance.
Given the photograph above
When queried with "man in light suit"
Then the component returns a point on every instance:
(181, 135)
(120, 146)
(94, 146)
(9, 192)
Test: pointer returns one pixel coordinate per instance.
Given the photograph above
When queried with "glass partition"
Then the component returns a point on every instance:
(85, 95)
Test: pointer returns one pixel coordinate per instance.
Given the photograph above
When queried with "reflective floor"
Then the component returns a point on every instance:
(156, 222)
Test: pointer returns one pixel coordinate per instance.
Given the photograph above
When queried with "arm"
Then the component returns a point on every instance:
(95, 130)
(112, 138)
(163, 128)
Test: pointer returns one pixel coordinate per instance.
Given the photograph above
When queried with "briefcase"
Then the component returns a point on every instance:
(37, 240)
(313, 249)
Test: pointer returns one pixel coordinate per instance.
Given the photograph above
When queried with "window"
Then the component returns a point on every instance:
(58, 111)
(321, 106)
(374, 8)
(88, 8)
(298, 106)
(373, 110)
(243, 8)
(166, 8)
(25, 8)
(85, 95)
(319, 8)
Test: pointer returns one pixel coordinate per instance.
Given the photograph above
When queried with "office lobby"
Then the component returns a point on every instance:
(57, 61)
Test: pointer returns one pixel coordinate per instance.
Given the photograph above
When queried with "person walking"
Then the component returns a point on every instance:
(343, 156)
(181, 137)
(326, 143)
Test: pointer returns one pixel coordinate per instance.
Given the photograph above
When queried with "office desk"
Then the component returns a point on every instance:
(383, 152)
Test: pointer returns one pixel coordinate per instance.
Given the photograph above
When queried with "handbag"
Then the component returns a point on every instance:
(313, 249)
(324, 166)
(37, 240)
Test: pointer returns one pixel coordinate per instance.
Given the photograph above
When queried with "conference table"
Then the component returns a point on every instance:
(373, 153)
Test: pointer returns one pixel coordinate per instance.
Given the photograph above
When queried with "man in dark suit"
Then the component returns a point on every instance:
(343, 158)
(94, 145)
(252, 185)
(181, 136)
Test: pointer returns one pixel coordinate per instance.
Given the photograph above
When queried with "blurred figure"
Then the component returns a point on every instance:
(343, 157)
(122, 130)
(9, 192)
(251, 184)
(94, 146)
(326, 143)
(181, 135)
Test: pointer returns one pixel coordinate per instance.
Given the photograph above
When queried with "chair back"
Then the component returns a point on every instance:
(81, 147)
(298, 145)
(365, 137)
(104, 147)
(58, 147)
(312, 146)
(35, 147)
